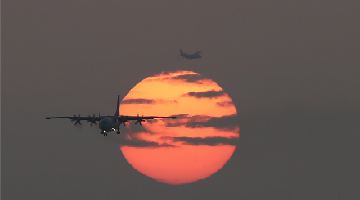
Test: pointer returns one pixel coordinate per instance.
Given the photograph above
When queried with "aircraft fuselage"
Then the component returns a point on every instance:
(108, 124)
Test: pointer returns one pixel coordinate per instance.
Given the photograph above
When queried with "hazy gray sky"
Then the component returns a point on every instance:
(291, 68)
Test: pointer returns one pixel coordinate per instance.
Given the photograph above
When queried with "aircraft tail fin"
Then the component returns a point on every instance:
(181, 53)
(117, 106)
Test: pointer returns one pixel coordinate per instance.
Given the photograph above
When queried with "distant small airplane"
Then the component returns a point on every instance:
(110, 123)
(195, 55)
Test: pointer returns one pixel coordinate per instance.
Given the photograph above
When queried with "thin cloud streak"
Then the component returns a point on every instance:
(225, 104)
(211, 141)
(203, 121)
(207, 94)
(138, 101)
(190, 78)
(146, 101)
(143, 143)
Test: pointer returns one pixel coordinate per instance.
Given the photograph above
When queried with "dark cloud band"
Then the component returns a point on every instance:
(225, 122)
(147, 101)
(138, 101)
(225, 104)
(211, 141)
(191, 78)
(143, 143)
(207, 94)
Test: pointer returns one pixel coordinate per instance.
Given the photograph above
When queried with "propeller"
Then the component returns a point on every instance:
(92, 120)
(140, 120)
(124, 121)
(76, 120)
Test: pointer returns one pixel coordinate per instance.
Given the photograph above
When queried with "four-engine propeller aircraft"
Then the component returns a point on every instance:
(195, 55)
(110, 123)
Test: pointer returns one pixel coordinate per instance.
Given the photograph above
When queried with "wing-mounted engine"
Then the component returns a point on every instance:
(76, 120)
(92, 119)
(139, 120)
(123, 120)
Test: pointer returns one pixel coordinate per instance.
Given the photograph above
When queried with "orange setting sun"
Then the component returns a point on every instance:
(192, 147)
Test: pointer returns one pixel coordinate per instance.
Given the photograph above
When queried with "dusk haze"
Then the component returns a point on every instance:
(180, 100)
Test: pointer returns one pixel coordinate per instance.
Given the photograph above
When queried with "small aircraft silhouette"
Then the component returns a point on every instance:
(195, 55)
(110, 123)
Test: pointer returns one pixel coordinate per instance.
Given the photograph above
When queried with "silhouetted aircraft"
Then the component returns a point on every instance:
(110, 123)
(195, 55)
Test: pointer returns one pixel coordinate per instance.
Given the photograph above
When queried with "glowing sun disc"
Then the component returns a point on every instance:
(186, 149)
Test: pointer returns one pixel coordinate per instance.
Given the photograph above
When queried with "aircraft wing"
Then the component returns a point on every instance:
(78, 119)
(143, 117)
(138, 119)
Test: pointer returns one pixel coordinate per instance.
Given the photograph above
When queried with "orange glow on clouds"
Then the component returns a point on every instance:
(171, 95)
(187, 149)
